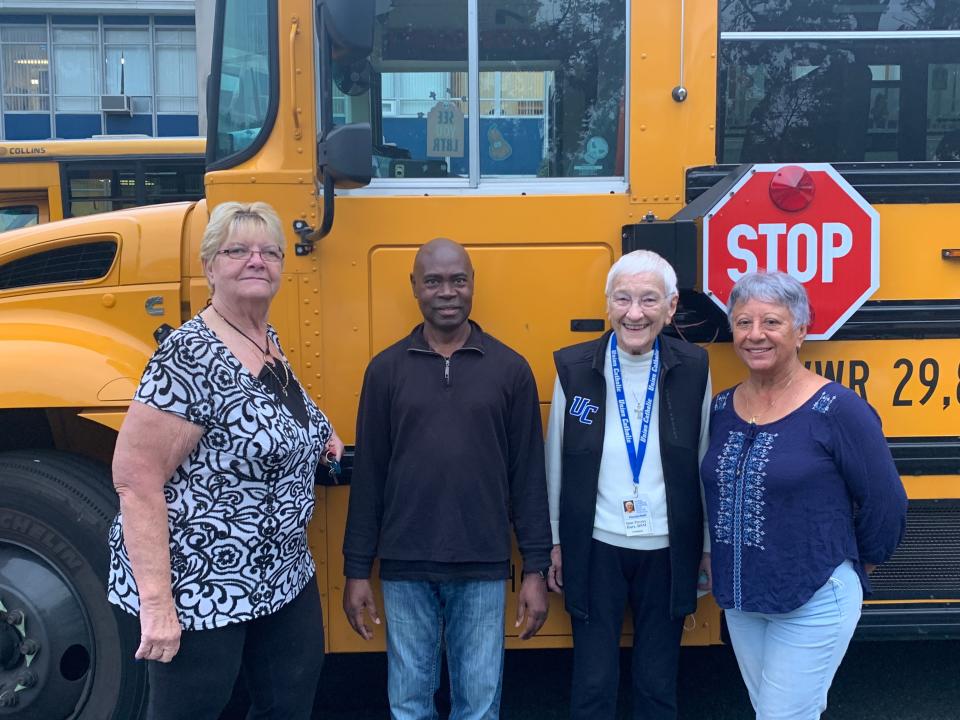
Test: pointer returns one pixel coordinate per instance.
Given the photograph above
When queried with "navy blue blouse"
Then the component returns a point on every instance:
(790, 500)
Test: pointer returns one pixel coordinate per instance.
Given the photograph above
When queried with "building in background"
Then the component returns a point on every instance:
(79, 68)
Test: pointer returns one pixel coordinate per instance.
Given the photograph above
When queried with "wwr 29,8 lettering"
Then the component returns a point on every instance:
(928, 373)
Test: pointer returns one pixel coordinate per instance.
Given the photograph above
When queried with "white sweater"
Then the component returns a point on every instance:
(615, 483)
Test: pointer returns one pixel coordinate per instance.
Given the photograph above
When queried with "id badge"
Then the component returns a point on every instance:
(636, 515)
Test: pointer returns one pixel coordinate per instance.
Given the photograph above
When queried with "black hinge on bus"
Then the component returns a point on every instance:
(303, 231)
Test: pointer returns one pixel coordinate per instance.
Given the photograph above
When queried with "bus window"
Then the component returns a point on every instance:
(167, 182)
(13, 217)
(821, 15)
(101, 187)
(97, 190)
(244, 80)
(551, 90)
(792, 92)
(420, 95)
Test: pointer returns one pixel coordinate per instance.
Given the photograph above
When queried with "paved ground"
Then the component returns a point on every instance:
(878, 681)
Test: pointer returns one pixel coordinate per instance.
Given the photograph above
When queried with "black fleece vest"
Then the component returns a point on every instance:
(682, 383)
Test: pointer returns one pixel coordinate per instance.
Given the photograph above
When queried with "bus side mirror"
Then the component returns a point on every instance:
(344, 153)
(346, 156)
(349, 26)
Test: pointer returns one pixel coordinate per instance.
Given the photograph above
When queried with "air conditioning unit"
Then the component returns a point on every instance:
(116, 104)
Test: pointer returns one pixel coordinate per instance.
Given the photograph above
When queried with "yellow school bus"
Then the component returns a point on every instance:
(547, 137)
(45, 180)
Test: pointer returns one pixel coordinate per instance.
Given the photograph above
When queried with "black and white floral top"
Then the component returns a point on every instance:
(238, 507)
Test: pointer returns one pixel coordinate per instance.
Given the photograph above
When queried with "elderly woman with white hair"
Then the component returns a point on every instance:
(627, 428)
(803, 501)
(215, 467)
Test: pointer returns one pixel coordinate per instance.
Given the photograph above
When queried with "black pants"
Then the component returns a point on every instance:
(280, 656)
(616, 576)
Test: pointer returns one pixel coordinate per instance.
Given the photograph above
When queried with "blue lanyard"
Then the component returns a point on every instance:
(635, 453)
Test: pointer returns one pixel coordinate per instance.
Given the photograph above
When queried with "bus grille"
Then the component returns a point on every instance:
(74, 263)
(926, 566)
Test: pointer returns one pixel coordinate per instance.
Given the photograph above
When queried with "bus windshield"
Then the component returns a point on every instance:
(244, 76)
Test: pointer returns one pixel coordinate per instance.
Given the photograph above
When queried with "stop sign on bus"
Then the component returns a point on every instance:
(804, 220)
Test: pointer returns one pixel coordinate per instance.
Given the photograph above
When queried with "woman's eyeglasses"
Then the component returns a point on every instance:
(267, 254)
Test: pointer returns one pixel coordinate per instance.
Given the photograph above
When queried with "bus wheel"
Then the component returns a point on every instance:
(65, 652)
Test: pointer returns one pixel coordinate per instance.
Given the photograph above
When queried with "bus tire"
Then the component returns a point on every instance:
(65, 652)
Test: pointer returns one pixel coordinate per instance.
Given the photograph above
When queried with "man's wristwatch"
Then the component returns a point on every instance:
(541, 573)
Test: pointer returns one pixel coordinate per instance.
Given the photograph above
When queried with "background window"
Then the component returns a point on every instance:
(176, 54)
(132, 47)
(13, 217)
(75, 63)
(26, 69)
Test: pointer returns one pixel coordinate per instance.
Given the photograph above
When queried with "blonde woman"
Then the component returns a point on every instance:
(214, 467)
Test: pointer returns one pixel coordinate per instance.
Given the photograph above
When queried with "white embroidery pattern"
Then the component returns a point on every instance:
(741, 486)
(823, 403)
(720, 401)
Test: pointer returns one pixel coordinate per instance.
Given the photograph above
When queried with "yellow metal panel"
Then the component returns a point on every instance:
(66, 352)
(911, 238)
(28, 176)
(932, 487)
(666, 136)
(156, 255)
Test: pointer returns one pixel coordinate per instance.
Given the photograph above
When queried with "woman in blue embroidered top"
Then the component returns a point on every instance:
(803, 501)
(215, 470)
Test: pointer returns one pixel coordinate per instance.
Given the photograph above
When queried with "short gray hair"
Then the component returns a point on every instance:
(643, 261)
(772, 287)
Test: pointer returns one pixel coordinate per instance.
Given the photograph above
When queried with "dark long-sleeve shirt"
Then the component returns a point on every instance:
(789, 501)
(449, 452)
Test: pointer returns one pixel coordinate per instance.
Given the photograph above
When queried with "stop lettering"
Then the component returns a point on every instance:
(804, 220)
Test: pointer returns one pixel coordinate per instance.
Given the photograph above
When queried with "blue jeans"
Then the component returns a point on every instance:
(788, 660)
(468, 615)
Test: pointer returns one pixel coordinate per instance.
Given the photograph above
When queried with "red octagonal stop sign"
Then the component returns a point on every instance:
(805, 220)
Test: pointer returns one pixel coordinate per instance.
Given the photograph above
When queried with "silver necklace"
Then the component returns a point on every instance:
(756, 416)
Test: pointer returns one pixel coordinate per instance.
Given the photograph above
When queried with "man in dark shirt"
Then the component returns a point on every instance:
(449, 452)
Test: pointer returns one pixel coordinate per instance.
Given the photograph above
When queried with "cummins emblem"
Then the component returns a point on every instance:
(154, 305)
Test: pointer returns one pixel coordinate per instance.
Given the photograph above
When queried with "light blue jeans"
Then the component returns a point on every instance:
(788, 660)
(468, 616)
